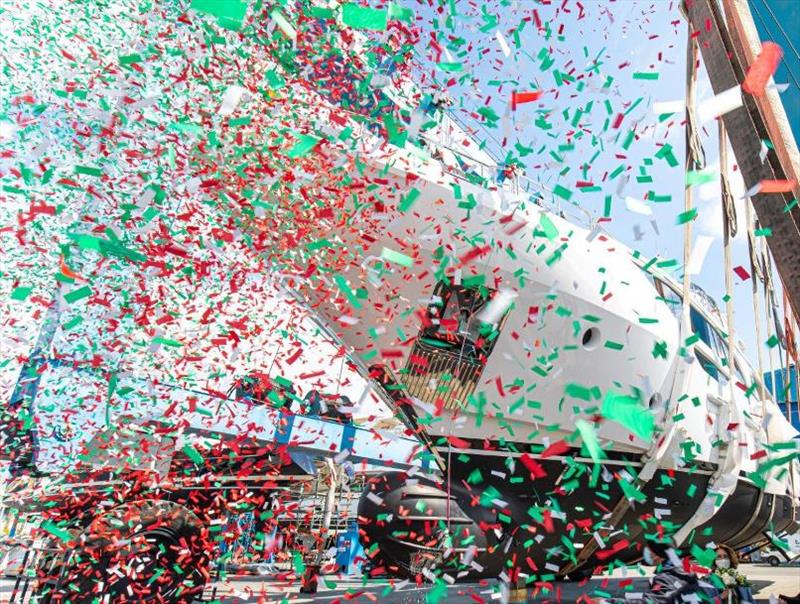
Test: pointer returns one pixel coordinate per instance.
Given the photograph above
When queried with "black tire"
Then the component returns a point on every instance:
(773, 561)
(131, 553)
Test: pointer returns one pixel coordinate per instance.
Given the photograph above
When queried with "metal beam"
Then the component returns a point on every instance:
(746, 128)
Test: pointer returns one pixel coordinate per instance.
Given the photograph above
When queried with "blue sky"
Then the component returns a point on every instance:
(641, 46)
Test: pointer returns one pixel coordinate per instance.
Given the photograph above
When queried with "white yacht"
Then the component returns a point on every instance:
(568, 397)
(572, 402)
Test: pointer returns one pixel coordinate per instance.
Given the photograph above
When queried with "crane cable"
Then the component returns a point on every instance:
(757, 274)
(694, 160)
(729, 231)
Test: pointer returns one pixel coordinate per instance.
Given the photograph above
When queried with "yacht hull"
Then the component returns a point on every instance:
(508, 522)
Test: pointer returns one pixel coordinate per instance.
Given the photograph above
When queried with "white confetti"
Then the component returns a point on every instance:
(637, 206)
(502, 42)
(230, 100)
(497, 306)
(762, 154)
(699, 252)
(662, 107)
(719, 104)
(783, 87)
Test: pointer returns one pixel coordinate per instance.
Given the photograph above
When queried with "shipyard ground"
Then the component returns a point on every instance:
(766, 581)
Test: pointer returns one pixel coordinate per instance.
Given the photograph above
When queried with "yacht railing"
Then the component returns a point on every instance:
(481, 173)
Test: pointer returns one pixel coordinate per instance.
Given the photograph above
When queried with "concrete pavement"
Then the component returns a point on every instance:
(767, 581)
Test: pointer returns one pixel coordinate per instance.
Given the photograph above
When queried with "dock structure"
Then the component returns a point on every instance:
(169, 410)
(729, 44)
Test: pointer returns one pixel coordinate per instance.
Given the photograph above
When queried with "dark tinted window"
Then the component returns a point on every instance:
(707, 364)
(701, 327)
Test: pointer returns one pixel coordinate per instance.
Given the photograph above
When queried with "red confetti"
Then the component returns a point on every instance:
(741, 273)
(776, 186)
(762, 69)
(518, 98)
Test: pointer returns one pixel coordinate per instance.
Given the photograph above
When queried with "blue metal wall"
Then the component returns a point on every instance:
(782, 390)
(777, 20)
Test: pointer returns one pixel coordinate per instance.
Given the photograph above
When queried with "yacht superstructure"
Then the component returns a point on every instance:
(557, 375)
(509, 327)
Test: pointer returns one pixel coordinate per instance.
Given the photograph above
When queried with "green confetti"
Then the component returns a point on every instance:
(701, 177)
(549, 230)
(628, 139)
(359, 17)
(78, 294)
(88, 170)
(590, 440)
(21, 293)
(303, 146)
(167, 342)
(396, 257)
(631, 492)
(704, 556)
(665, 153)
(562, 192)
(130, 59)
(408, 200)
(629, 412)
(607, 207)
(192, 453)
(400, 13)
(436, 593)
(348, 293)
(299, 565)
(229, 13)
(56, 530)
(281, 21)
(450, 67)
(687, 216)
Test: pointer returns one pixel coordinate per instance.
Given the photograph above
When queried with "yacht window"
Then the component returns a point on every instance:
(707, 364)
(701, 327)
(720, 346)
(672, 299)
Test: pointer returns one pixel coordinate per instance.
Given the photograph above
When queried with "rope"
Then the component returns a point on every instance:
(694, 153)
(748, 213)
(728, 234)
(770, 326)
(791, 354)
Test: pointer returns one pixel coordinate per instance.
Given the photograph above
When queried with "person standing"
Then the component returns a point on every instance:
(671, 583)
(736, 587)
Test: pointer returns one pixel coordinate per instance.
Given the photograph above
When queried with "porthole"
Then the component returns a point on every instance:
(655, 401)
(591, 338)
